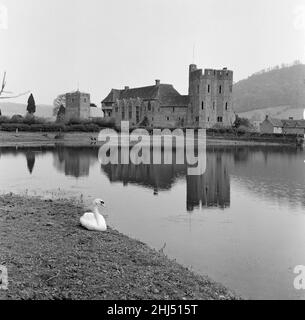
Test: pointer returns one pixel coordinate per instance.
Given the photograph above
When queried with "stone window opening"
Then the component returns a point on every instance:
(209, 88)
(219, 119)
(167, 118)
(202, 105)
(220, 89)
(226, 106)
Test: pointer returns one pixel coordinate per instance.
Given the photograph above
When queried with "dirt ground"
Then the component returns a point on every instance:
(49, 256)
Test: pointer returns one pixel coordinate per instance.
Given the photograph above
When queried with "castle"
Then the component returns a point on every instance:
(209, 102)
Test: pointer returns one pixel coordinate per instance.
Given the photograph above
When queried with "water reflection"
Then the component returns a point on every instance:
(274, 172)
(30, 159)
(74, 162)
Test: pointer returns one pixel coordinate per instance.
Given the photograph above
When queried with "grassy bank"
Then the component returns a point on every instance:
(33, 139)
(49, 256)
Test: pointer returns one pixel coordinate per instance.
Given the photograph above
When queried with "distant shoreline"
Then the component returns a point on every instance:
(49, 256)
(81, 139)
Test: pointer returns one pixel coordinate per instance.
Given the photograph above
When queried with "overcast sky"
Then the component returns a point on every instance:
(51, 45)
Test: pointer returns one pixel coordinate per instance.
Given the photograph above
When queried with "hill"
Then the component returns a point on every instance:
(277, 89)
(9, 109)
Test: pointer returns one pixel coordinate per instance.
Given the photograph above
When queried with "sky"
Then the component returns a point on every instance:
(55, 46)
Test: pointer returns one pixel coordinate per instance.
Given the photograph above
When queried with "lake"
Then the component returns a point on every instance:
(242, 223)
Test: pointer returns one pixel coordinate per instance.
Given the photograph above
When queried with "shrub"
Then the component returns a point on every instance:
(91, 127)
(104, 122)
(11, 127)
(29, 119)
(241, 131)
(17, 118)
(4, 119)
(76, 127)
(73, 121)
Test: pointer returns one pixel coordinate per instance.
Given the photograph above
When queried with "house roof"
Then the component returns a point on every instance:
(112, 96)
(276, 122)
(287, 123)
(175, 101)
(294, 123)
(165, 93)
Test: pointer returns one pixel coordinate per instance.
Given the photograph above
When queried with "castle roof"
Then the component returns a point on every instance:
(165, 93)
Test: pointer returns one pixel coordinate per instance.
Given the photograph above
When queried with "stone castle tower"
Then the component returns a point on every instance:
(77, 106)
(210, 97)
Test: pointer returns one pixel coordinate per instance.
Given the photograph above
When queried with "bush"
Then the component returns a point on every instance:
(91, 127)
(4, 119)
(16, 119)
(241, 131)
(31, 119)
(76, 127)
(74, 122)
(11, 127)
(104, 122)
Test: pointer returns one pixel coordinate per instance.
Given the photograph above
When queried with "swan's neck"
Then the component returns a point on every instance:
(97, 214)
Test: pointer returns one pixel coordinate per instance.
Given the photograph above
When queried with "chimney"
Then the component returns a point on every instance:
(126, 88)
(158, 82)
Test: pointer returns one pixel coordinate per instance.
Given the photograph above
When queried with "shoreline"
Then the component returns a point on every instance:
(82, 139)
(49, 256)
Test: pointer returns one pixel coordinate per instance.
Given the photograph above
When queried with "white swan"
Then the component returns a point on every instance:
(94, 221)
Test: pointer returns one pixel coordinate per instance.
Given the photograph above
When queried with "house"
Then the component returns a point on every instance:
(209, 102)
(271, 125)
(294, 126)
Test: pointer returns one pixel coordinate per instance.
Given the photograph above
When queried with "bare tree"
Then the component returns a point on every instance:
(8, 94)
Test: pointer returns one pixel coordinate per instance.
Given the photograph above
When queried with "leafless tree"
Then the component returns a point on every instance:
(8, 94)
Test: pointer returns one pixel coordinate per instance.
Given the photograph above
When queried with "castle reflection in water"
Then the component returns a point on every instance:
(211, 189)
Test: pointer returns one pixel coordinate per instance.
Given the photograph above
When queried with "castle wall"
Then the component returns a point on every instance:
(170, 117)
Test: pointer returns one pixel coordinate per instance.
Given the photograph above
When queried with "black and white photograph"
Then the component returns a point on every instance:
(152, 151)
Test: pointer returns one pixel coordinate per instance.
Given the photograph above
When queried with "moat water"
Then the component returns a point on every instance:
(242, 223)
